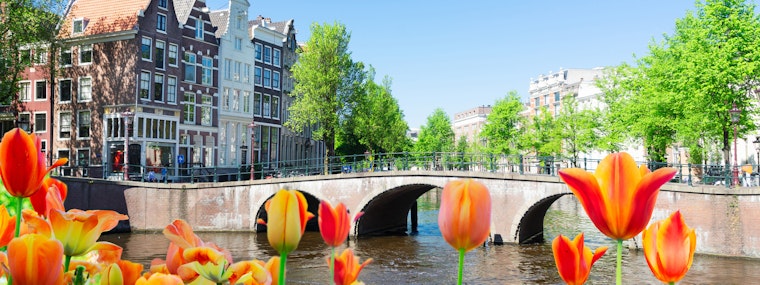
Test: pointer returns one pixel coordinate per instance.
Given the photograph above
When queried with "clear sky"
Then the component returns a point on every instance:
(457, 55)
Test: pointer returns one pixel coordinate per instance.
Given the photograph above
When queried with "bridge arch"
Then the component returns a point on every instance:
(386, 213)
(530, 229)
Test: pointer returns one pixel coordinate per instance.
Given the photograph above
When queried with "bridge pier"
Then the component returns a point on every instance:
(413, 217)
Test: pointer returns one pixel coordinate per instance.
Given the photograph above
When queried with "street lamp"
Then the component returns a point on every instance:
(735, 113)
(252, 126)
(127, 120)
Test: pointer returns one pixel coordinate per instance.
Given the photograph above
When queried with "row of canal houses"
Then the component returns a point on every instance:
(164, 84)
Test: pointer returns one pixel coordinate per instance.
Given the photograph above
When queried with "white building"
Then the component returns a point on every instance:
(468, 124)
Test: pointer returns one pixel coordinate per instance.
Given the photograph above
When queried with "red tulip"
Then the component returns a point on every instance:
(669, 248)
(334, 223)
(51, 195)
(573, 259)
(22, 164)
(465, 214)
(619, 197)
(347, 267)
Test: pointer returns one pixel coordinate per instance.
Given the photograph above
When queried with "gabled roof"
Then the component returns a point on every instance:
(182, 9)
(220, 20)
(104, 16)
(282, 27)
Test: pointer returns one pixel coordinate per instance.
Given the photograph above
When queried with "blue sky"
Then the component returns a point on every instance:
(457, 55)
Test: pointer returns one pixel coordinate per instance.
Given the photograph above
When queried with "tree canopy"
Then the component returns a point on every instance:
(502, 128)
(436, 135)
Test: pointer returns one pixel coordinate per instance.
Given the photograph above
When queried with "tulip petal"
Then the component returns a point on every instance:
(35, 259)
(586, 188)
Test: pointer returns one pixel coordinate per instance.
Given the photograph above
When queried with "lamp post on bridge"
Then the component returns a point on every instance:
(127, 120)
(252, 126)
(735, 113)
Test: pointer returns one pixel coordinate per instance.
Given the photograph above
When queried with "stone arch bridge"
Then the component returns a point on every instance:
(727, 220)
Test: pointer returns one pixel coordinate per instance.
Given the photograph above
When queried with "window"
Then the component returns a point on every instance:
(66, 57)
(24, 121)
(257, 51)
(236, 100)
(84, 122)
(257, 104)
(275, 107)
(227, 69)
(556, 96)
(199, 29)
(189, 108)
(238, 43)
(64, 92)
(173, 54)
(160, 48)
(158, 87)
(206, 101)
(40, 56)
(267, 106)
(25, 91)
(276, 80)
(85, 89)
(239, 22)
(247, 73)
(40, 121)
(64, 153)
(246, 101)
(145, 49)
(189, 67)
(64, 119)
(226, 99)
(237, 71)
(171, 89)
(276, 57)
(40, 90)
(538, 101)
(145, 85)
(161, 23)
(85, 54)
(207, 73)
(257, 75)
(267, 78)
(26, 56)
(162, 4)
(268, 55)
(77, 27)
(83, 157)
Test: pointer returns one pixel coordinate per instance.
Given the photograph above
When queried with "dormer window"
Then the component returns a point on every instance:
(162, 4)
(78, 26)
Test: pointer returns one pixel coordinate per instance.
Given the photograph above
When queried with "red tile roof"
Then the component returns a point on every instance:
(104, 16)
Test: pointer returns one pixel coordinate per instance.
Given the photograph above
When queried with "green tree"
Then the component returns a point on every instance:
(436, 135)
(380, 124)
(576, 129)
(27, 28)
(502, 128)
(538, 136)
(327, 84)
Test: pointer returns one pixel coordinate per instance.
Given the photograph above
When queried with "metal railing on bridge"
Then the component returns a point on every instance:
(691, 174)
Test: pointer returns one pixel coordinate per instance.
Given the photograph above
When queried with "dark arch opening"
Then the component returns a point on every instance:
(386, 214)
(313, 206)
(531, 227)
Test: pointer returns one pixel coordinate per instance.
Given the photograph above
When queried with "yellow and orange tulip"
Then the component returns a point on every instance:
(669, 248)
(35, 259)
(250, 272)
(334, 223)
(207, 262)
(22, 163)
(273, 267)
(79, 230)
(287, 216)
(619, 197)
(7, 226)
(160, 279)
(111, 275)
(574, 259)
(465, 214)
(182, 237)
(347, 267)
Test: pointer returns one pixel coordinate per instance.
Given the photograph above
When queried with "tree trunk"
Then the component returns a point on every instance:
(726, 147)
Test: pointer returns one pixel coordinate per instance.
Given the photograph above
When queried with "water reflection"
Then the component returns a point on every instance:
(427, 259)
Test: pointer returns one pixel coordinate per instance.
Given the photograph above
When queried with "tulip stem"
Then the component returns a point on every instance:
(619, 266)
(332, 266)
(19, 204)
(283, 260)
(461, 266)
(66, 263)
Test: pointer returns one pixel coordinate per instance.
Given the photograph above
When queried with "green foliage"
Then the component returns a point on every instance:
(379, 122)
(502, 128)
(327, 83)
(436, 135)
(575, 129)
(538, 137)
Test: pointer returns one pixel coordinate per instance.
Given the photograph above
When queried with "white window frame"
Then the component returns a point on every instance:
(62, 124)
(257, 105)
(71, 91)
(163, 54)
(227, 69)
(171, 90)
(40, 56)
(258, 52)
(236, 73)
(275, 80)
(165, 2)
(266, 106)
(71, 58)
(36, 89)
(74, 26)
(269, 59)
(246, 102)
(173, 48)
(207, 71)
(82, 49)
(163, 86)
(194, 65)
(78, 163)
(80, 93)
(79, 125)
(207, 103)
(191, 104)
(246, 73)
(25, 94)
(44, 124)
(199, 29)
(267, 81)
(275, 108)
(225, 99)
(149, 42)
(144, 82)
(238, 43)
(260, 77)
(158, 23)
(276, 57)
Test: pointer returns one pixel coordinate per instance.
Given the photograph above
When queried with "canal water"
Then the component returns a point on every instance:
(426, 258)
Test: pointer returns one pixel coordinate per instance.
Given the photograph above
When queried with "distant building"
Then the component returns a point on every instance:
(548, 89)
(468, 124)
(413, 134)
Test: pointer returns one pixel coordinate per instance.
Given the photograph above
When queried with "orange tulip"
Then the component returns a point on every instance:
(160, 279)
(347, 267)
(464, 217)
(250, 272)
(206, 262)
(35, 224)
(22, 164)
(273, 267)
(334, 223)
(573, 259)
(79, 230)
(51, 195)
(7, 226)
(111, 275)
(619, 197)
(287, 216)
(35, 259)
(669, 248)
(182, 237)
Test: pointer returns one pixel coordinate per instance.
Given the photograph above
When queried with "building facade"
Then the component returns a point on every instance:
(468, 124)
(548, 89)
